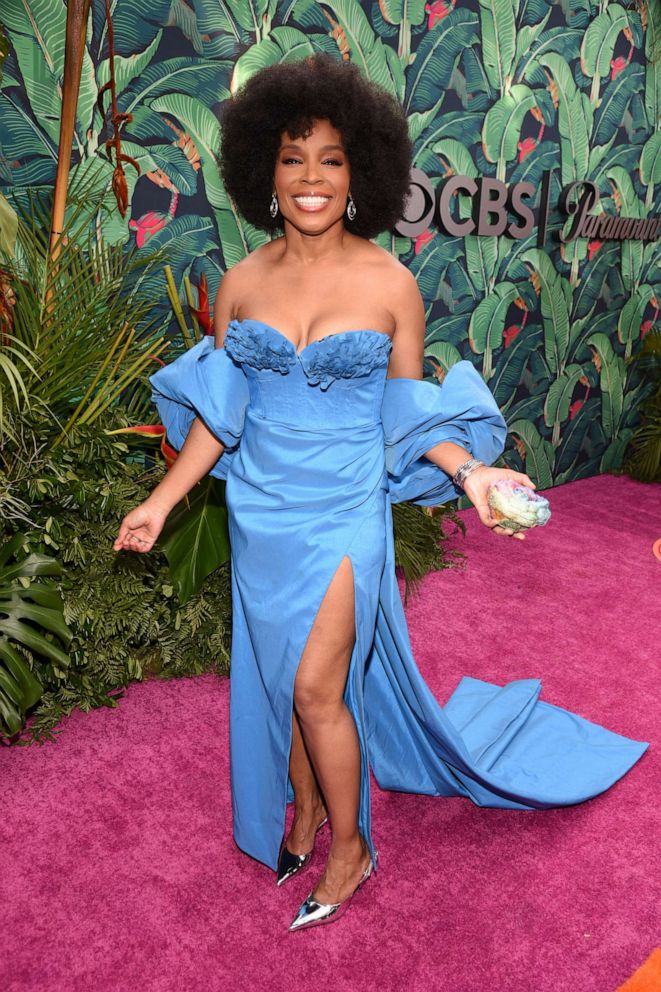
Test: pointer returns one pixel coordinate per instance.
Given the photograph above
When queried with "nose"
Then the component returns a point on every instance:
(311, 173)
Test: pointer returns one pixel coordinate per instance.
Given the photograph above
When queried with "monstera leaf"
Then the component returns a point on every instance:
(30, 618)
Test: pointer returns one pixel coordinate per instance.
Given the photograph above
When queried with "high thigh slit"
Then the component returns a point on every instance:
(318, 445)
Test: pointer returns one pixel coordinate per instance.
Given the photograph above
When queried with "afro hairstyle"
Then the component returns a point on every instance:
(290, 96)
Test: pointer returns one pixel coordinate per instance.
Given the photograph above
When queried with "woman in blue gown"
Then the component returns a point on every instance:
(309, 401)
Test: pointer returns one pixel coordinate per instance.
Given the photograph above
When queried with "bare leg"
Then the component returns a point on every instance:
(310, 808)
(330, 733)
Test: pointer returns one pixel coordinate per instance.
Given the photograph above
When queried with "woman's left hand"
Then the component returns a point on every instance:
(476, 487)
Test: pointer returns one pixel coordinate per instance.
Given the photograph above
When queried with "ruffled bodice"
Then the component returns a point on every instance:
(344, 355)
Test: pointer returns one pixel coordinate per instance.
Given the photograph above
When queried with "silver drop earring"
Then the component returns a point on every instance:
(273, 209)
(351, 209)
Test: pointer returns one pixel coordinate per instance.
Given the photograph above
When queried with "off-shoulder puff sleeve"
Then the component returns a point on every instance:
(417, 415)
(204, 382)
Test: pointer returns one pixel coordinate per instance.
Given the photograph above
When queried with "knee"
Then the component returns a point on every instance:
(314, 701)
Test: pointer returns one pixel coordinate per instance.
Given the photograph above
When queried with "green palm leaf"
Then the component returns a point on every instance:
(559, 397)
(598, 45)
(539, 453)
(502, 126)
(377, 61)
(485, 331)
(498, 42)
(284, 44)
(555, 301)
(574, 119)
(614, 102)
(650, 166)
(436, 57)
(612, 377)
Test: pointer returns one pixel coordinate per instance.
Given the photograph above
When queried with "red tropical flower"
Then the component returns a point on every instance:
(525, 147)
(437, 11)
(511, 333)
(422, 240)
(593, 248)
(202, 311)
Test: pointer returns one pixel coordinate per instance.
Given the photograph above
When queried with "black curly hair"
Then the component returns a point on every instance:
(290, 96)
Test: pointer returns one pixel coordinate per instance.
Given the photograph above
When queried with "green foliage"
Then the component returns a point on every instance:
(643, 458)
(419, 535)
(195, 537)
(79, 331)
(125, 618)
(28, 606)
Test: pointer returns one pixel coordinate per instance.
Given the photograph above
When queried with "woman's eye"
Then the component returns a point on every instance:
(297, 161)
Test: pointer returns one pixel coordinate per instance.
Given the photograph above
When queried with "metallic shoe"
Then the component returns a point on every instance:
(291, 864)
(313, 913)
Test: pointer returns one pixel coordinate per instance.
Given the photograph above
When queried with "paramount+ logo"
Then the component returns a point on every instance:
(496, 208)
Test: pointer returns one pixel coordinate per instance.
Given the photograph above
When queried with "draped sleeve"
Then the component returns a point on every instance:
(417, 415)
(204, 382)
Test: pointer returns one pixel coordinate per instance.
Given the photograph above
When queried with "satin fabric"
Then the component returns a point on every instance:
(319, 444)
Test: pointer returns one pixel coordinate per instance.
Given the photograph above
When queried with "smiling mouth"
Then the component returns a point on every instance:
(311, 203)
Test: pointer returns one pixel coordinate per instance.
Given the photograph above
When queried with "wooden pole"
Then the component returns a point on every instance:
(77, 14)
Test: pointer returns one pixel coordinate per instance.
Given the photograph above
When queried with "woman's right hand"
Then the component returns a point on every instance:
(140, 528)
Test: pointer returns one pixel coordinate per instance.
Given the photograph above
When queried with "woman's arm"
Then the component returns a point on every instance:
(406, 362)
(201, 449)
(199, 453)
(406, 358)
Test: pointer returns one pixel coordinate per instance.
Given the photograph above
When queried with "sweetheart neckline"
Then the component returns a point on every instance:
(335, 334)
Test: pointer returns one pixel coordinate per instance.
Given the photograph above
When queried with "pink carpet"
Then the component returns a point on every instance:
(119, 869)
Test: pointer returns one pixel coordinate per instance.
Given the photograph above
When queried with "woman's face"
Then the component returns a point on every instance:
(311, 178)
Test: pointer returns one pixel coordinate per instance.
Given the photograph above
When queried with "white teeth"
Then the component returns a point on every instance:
(311, 200)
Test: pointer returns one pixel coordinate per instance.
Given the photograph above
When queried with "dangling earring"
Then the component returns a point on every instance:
(351, 208)
(273, 209)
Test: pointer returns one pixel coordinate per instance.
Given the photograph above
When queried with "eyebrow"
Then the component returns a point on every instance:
(325, 148)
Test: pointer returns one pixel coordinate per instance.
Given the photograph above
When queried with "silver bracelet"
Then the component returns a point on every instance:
(465, 470)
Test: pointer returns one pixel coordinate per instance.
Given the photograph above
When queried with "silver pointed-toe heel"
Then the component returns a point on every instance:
(313, 913)
(291, 864)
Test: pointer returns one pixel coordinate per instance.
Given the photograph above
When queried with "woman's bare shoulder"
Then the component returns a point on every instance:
(387, 271)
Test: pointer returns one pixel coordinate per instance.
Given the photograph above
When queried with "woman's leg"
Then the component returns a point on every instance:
(310, 808)
(330, 733)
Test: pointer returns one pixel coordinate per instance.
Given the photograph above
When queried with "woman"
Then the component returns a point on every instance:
(311, 406)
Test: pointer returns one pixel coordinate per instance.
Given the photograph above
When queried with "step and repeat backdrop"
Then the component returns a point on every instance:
(534, 213)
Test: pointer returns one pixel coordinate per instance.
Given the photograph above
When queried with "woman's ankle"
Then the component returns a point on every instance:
(309, 808)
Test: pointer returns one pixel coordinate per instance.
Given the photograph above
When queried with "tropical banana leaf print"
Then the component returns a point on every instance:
(510, 89)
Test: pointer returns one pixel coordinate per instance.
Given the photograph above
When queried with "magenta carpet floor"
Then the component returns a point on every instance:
(120, 873)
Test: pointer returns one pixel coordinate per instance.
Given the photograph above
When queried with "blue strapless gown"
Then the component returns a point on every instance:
(319, 444)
